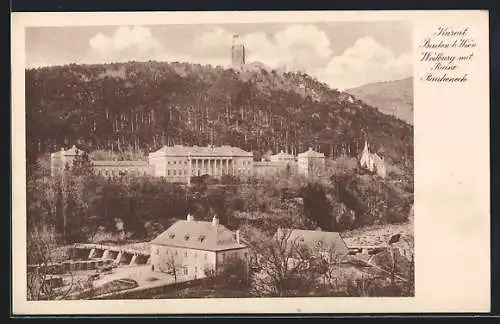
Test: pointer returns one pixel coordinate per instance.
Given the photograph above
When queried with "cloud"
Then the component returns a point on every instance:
(126, 43)
(296, 47)
(365, 62)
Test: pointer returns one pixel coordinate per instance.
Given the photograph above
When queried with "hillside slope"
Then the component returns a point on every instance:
(392, 98)
(146, 105)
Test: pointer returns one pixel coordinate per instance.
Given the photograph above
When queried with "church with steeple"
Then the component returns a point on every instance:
(373, 162)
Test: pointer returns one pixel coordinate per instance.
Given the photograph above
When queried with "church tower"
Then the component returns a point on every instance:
(237, 53)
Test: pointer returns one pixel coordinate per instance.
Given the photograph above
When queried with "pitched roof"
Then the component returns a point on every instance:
(181, 150)
(282, 156)
(313, 238)
(198, 235)
(311, 153)
(70, 152)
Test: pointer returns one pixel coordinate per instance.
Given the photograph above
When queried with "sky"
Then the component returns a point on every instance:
(344, 55)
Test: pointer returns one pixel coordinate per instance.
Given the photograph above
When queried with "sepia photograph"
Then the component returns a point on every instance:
(240, 160)
(208, 162)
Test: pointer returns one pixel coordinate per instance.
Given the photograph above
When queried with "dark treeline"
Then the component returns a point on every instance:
(143, 106)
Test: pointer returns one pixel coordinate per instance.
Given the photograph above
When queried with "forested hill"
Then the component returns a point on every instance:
(393, 97)
(146, 105)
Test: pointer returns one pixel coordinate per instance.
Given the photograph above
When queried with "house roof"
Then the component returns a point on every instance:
(310, 238)
(282, 156)
(181, 150)
(72, 151)
(311, 153)
(198, 235)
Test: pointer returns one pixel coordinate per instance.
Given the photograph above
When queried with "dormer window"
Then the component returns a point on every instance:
(201, 238)
(171, 236)
(186, 237)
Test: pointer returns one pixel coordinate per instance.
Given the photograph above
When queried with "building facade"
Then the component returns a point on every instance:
(179, 163)
(310, 162)
(121, 168)
(194, 249)
(63, 159)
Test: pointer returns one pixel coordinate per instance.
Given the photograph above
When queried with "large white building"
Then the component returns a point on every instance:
(179, 163)
(194, 248)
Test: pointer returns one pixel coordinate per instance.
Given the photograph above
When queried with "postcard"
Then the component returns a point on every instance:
(250, 162)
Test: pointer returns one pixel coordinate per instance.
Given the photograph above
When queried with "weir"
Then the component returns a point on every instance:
(116, 254)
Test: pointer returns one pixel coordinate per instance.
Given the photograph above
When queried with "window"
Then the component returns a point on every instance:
(175, 162)
(166, 252)
(222, 256)
(246, 254)
(185, 162)
(185, 172)
(185, 254)
(206, 256)
(176, 253)
(157, 251)
(195, 254)
(201, 238)
(168, 172)
(175, 172)
(185, 271)
(171, 235)
(168, 162)
(186, 237)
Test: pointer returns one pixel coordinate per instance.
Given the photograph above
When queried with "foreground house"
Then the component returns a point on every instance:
(192, 248)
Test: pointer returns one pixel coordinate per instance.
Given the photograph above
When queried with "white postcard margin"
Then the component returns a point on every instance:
(452, 198)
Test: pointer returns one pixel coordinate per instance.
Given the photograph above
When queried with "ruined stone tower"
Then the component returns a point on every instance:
(237, 53)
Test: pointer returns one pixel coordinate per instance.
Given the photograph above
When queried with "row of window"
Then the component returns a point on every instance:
(119, 172)
(186, 162)
(177, 172)
(176, 253)
(193, 172)
(175, 162)
(205, 255)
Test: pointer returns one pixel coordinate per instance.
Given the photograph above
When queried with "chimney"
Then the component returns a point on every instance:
(215, 221)
(238, 236)
(189, 218)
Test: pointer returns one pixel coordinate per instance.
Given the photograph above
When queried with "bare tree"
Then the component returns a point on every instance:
(327, 264)
(42, 244)
(285, 267)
